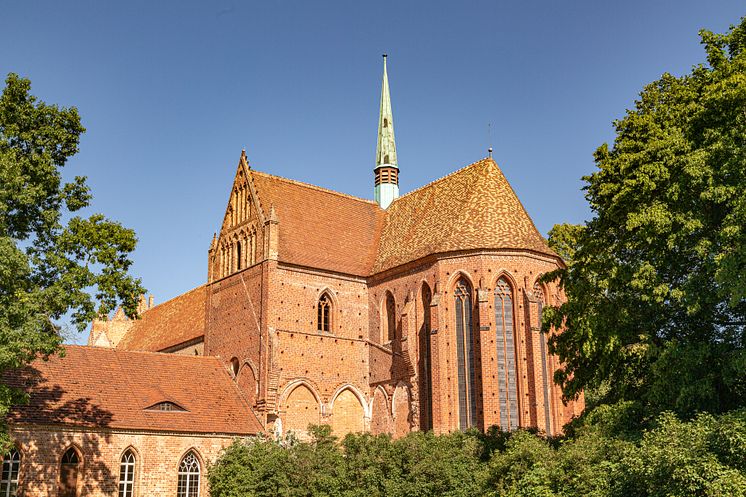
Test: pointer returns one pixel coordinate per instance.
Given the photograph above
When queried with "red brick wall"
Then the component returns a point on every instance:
(156, 467)
(482, 271)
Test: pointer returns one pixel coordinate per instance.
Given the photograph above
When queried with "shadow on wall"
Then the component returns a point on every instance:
(42, 447)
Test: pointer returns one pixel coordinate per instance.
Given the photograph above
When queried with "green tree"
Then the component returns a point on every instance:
(50, 260)
(656, 294)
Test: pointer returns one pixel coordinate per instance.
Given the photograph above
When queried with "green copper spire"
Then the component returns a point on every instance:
(387, 169)
(386, 147)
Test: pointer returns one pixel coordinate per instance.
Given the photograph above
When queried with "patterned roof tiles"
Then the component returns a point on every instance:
(472, 208)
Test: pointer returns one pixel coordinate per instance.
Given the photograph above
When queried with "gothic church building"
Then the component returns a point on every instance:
(410, 312)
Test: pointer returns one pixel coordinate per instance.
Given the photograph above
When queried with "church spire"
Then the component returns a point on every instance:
(387, 169)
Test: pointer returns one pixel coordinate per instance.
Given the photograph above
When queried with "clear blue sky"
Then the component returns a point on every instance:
(171, 91)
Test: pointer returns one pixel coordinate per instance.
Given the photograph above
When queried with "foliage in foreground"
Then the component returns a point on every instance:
(702, 457)
(51, 260)
(656, 294)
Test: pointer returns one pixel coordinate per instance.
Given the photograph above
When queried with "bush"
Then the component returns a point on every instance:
(604, 458)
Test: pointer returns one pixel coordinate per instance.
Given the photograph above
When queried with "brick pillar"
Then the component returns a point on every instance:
(487, 381)
(437, 368)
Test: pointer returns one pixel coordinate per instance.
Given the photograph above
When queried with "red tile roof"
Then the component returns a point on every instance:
(171, 323)
(472, 208)
(321, 228)
(109, 388)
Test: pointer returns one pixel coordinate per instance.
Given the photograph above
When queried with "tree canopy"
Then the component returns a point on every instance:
(656, 284)
(52, 263)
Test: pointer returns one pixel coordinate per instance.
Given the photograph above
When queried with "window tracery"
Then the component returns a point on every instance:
(323, 318)
(189, 474)
(127, 474)
(465, 355)
(506, 355)
(10, 470)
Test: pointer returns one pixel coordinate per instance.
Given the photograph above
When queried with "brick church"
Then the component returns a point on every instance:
(409, 312)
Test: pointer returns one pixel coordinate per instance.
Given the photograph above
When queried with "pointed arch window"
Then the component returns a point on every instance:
(545, 380)
(324, 311)
(388, 318)
(11, 468)
(69, 473)
(127, 474)
(252, 247)
(238, 255)
(385, 122)
(506, 355)
(189, 473)
(467, 389)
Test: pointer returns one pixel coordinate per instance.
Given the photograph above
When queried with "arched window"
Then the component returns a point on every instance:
(127, 474)
(11, 468)
(545, 380)
(426, 406)
(385, 123)
(69, 469)
(188, 484)
(467, 389)
(235, 365)
(324, 311)
(506, 363)
(386, 159)
(238, 255)
(388, 318)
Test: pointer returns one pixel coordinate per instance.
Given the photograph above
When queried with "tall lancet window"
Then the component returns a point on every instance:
(467, 384)
(238, 255)
(545, 372)
(506, 355)
(127, 474)
(425, 368)
(324, 310)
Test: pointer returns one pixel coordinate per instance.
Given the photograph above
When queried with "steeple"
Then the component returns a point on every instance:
(387, 169)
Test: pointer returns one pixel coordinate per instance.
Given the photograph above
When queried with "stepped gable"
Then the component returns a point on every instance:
(321, 228)
(472, 208)
(176, 321)
(109, 388)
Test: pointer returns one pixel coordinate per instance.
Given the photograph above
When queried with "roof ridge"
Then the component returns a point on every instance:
(174, 298)
(144, 352)
(316, 187)
(453, 173)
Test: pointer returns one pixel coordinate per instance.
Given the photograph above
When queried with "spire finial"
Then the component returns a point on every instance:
(387, 169)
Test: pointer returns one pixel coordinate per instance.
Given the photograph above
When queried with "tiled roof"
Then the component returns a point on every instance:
(109, 388)
(472, 208)
(173, 322)
(321, 228)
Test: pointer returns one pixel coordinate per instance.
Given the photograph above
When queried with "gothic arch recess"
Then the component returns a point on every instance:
(348, 408)
(380, 421)
(424, 360)
(388, 318)
(300, 406)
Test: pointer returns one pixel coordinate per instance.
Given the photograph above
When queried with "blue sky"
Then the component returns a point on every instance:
(170, 92)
